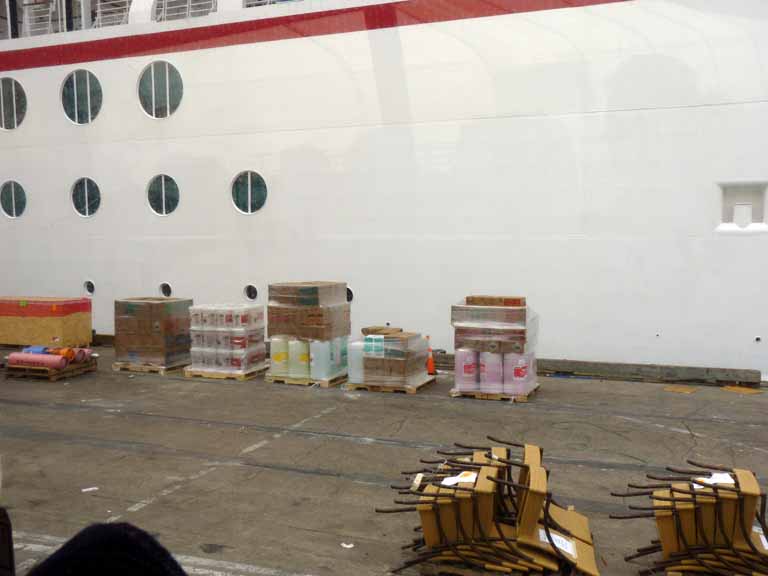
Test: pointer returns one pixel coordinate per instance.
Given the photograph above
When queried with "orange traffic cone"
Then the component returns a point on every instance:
(430, 359)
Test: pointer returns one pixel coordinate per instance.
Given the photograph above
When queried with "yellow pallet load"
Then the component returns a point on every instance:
(484, 509)
(58, 322)
(710, 520)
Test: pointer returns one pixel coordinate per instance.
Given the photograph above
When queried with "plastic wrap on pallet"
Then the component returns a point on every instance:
(499, 339)
(466, 370)
(227, 338)
(226, 317)
(502, 316)
(298, 359)
(278, 356)
(328, 359)
(152, 331)
(356, 370)
(309, 322)
(519, 373)
(308, 293)
(491, 372)
(398, 345)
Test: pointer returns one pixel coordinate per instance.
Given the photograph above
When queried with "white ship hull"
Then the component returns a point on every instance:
(575, 156)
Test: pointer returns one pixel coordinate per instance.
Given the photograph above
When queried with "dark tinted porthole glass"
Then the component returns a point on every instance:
(86, 197)
(160, 89)
(13, 199)
(249, 192)
(81, 97)
(13, 104)
(350, 294)
(89, 287)
(251, 292)
(163, 195)
(166, 290)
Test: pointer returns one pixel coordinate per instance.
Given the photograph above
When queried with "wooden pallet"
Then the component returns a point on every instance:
(494, 396)
(51, 374)
(393, 388)
(323, 383)
(146, 368)
(239, 376)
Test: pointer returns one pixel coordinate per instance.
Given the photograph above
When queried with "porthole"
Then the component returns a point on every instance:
(81, 97)
(86, 197)
(13, 199)
(166, 290)
(160, 89)
(251, 293)
(249, 192)
(13, 104)
(89, 287)
(350, 294)
(163, 195)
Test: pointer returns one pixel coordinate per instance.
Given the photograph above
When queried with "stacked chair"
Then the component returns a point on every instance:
(489, 509)
(710, 520)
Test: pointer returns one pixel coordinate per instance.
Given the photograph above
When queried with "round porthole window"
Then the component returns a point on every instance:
(86, 197)
(89, 287)
(81, 97)
(251, 293)
(249, 192)
(160, 89)
(350, 294)
(13, 199)
(163, 195)
(166, 290)
(13, 104)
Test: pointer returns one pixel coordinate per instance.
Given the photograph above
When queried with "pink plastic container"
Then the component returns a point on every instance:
(466, 370)
(519, 373)
(491, 372)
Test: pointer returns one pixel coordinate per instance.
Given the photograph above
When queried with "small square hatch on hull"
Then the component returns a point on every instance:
(744, 207)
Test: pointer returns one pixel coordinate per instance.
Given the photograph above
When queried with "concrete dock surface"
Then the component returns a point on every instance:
(239, 478)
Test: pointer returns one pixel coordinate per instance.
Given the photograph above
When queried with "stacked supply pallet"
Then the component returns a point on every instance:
(227, 341)
(52, 364)
(495, 347)
(309, 325)
(389, 360)
(151, 334)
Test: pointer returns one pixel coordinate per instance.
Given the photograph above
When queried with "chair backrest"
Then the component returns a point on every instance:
(531, 501)
(7, 562)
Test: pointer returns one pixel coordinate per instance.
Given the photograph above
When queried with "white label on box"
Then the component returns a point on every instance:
(463, 477)
(717, 478)
(562, 543)
(759, 530)
(417, 481)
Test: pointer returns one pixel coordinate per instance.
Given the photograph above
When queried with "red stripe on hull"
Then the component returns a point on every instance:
(356, 19)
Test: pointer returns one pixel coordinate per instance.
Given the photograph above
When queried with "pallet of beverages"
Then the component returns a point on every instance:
(389, 360)
(152, 334)
(495, 348)
(309, 324)
(227, 342)
(52, 364)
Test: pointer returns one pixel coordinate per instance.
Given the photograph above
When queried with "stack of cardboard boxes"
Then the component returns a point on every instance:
(153, 331)
(389, 357)
(309, 325)
(228, 339)
(495, 345)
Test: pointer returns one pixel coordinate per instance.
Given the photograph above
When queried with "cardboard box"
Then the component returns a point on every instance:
(462, 314)
(414, 363)
(55, 322)
(308, 293)
(152, 331)
(514, 301)
(309, 322)
(380, 330)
